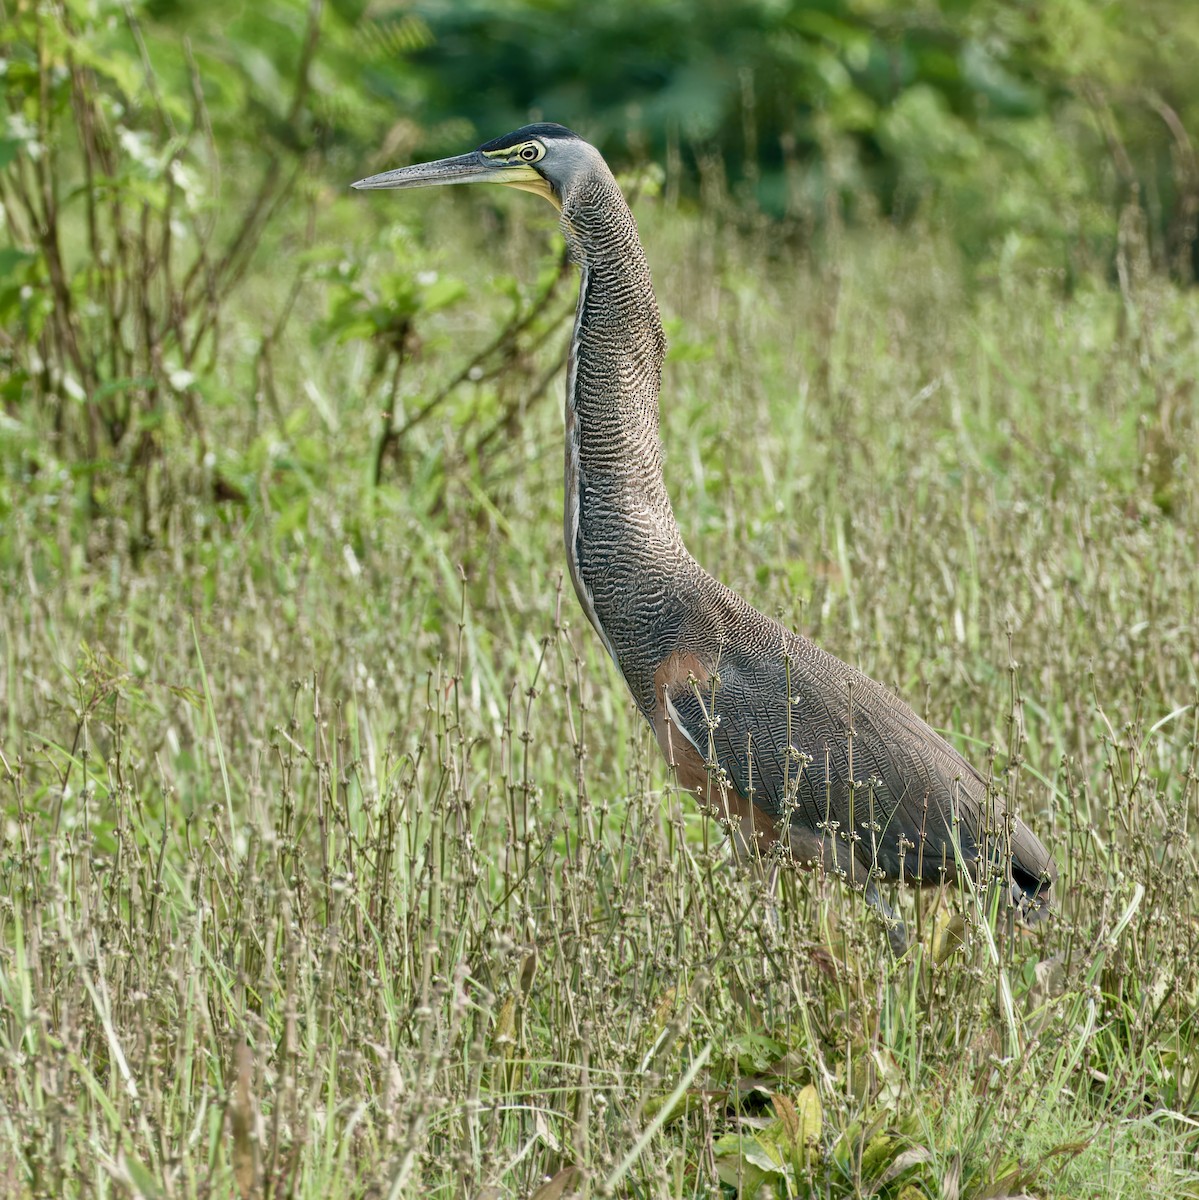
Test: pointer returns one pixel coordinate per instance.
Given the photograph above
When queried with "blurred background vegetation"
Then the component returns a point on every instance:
(155, 157)
(296, 808)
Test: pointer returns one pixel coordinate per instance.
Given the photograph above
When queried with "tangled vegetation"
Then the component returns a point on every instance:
(334, 860)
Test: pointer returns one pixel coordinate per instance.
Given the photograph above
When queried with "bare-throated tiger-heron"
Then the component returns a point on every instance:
(800, 754)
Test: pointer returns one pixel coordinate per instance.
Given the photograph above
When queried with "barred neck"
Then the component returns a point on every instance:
(618, 518)
(618, 344)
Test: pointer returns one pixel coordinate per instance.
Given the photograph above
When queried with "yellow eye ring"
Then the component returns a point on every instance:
(530, 152)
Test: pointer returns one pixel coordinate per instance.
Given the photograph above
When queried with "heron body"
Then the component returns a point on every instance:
(797, 752)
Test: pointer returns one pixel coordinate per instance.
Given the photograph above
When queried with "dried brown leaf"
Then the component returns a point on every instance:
(903, 1161)
(563, 1184)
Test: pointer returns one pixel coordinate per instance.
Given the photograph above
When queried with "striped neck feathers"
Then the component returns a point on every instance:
(616, 351)
(618, 518)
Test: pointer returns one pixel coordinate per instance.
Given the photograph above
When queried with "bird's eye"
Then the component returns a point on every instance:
(530, 152)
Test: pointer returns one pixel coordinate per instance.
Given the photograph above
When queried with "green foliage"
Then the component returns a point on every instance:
(153, 156)
(1029, 120)
(367, 873)
(333, 860)
(120, 259)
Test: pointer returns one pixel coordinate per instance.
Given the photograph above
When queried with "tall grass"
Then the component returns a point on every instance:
(336, 863)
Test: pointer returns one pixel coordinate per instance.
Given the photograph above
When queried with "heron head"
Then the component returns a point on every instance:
(544, 158)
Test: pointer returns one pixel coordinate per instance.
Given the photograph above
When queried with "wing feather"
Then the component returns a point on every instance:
(841, 748)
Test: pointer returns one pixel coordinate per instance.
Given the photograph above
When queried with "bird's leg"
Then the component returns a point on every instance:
(897, 934)
(828, 853)
(764, 867)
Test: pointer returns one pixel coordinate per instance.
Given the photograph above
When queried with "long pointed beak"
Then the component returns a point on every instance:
(463, 168)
